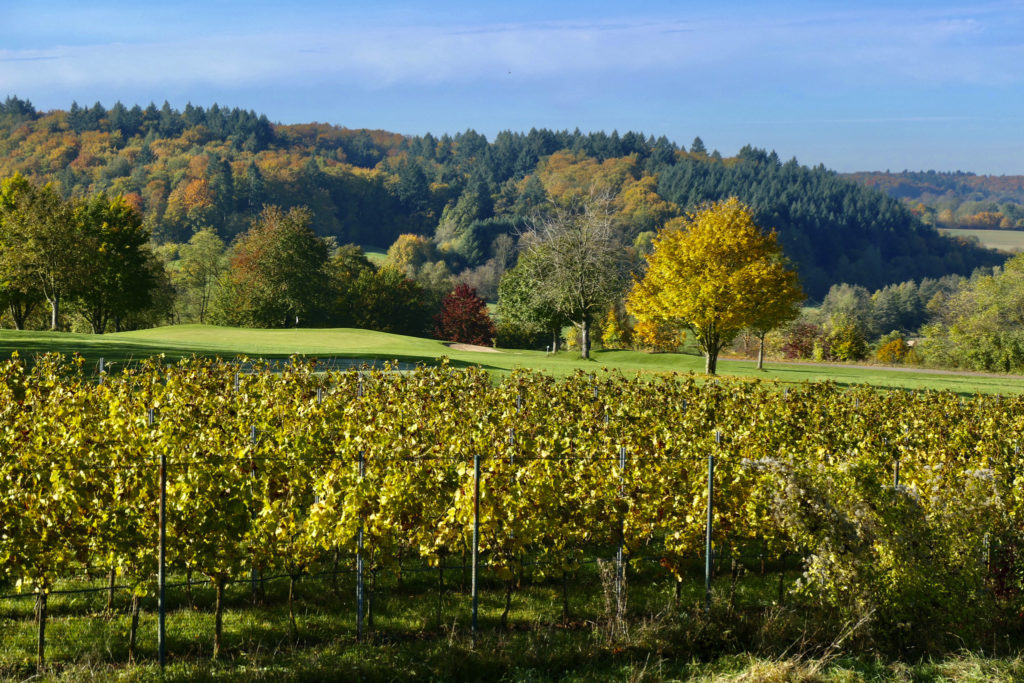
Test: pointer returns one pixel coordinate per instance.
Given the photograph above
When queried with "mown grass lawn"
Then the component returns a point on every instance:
(182, 341)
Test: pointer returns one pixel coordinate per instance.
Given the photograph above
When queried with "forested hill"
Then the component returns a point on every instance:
(935, 184)
(954, 200)
(217, 167)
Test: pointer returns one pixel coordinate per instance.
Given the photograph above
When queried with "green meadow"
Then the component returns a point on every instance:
(183, 341)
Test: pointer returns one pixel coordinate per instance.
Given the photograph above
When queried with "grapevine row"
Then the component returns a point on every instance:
(262, 471)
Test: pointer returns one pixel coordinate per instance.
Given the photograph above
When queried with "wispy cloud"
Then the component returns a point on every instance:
(29, 58)
(981, 45)
(877, 120)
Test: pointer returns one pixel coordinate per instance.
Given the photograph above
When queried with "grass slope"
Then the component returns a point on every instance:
(376, 255)
(182, 341)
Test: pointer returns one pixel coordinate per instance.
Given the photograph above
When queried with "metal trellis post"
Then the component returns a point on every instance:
(711, 506)
(620, 557)
(476, 538)
(359, 560)
(161, 576)
(252, 480)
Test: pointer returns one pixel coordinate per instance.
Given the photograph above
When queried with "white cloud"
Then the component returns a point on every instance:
(969, 46)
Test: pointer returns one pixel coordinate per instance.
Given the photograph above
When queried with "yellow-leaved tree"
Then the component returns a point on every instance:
(716, 272)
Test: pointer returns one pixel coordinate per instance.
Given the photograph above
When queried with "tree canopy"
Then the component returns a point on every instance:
(276, 273)
(464, 318)
(117, 277)
(716, 272)
(576, 262)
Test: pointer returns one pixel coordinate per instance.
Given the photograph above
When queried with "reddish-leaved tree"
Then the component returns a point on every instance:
(464, 318)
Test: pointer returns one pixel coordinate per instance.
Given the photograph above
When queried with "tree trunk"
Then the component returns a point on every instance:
(440, 590)
(41, 641)
(711, 362)
(556, 335)
(291, 607)
(334, 573)
(585, 339)
(20, 313)
(760, 352)
(218, 618)
(54, 313)
(111, 582)
(134, 629)
(565, 598)
(188, 589)
(508, 604)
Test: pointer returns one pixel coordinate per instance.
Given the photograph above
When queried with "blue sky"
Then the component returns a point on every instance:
(855, 86)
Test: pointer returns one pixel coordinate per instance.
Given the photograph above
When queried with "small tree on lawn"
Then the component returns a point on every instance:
(464, 318)
(716, 272)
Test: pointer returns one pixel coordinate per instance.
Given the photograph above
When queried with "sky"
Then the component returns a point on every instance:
(865, 86)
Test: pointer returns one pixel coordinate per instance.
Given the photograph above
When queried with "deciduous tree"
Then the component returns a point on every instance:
(199, 270)
(715, 272)
(410, 252)
(388, 301)
(464, 318)
(575, 262)
(44, 247)
(115, 278)
(19, 290)
(522, 312)
(277, 272)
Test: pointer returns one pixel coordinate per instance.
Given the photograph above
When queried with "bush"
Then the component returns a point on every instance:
(652, 336)
(902, 562)
(799, 339)
(616, 332)
(846, 342)
(913, 357)
(893, 351)
(515, 336)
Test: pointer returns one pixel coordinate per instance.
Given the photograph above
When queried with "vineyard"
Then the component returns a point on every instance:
(903, 511)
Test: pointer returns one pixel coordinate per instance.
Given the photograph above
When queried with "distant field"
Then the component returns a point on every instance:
(186, 340)
(1004, 240)
(376, 255)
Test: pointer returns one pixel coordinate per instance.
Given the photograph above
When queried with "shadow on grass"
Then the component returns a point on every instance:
(119, 355)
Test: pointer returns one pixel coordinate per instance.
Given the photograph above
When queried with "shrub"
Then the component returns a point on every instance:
(799, 339)
(616, 332)
(657, 336)
(892, 351)
(464, 318)
(902, 562)
(913, 357)
(846, 342)
(516, 336)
